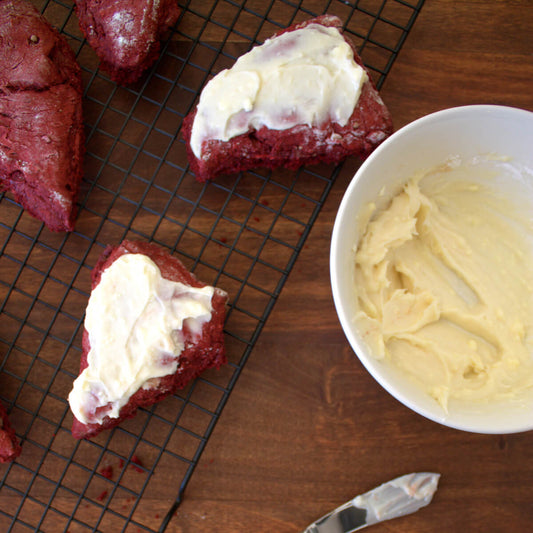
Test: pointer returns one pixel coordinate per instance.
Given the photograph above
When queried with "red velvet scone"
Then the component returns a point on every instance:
(300, 129)
(108, 390)
(126, 34)
(9, 444)
(41, 125)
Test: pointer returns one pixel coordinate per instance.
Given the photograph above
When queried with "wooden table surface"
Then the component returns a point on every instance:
(306, 428)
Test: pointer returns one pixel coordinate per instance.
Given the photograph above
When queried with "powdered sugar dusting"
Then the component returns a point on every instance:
(122, 24)
(60, 199)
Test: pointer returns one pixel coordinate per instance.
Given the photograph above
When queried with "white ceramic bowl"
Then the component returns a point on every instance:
(465, 132)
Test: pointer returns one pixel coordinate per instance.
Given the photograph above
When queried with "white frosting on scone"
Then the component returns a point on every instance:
(302, 77)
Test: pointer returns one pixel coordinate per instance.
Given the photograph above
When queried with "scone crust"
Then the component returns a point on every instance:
(9, 445)
(126, 34)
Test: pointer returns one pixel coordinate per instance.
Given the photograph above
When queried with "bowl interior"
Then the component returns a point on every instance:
(464, 132)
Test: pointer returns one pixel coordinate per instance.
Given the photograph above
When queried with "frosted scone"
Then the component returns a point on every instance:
(150, 328)
(444, 284)
(303, 97)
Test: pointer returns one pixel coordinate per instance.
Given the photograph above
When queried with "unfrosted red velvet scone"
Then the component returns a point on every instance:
(126, 34)
(9, 444)
(297, 135)
(41, 125)
(201, 337)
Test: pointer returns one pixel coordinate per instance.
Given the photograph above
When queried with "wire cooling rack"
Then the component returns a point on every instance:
(242, 233)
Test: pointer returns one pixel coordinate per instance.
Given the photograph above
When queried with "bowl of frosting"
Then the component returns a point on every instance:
(432, 267)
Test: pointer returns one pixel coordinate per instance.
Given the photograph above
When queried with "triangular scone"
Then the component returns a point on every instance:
(9, 444)
(41, 124)
(116, 377)
(270, 104)
(126, 34)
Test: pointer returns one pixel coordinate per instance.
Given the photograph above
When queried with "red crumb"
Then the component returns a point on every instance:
(210, 462)
(256, 219)
(224, 240)
(137, 464)
(102, 496)
(121, 463)
(264, 202)
(107, 471)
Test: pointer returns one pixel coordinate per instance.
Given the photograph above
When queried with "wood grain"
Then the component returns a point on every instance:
(306, 427)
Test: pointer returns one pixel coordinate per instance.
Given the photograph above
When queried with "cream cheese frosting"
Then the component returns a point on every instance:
(444, 284)
(135, 320)
(306, 76)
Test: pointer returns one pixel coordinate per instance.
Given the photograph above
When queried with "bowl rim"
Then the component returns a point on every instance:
(335, 250)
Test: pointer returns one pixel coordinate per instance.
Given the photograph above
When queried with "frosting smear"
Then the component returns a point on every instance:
(444, 282)
(135, 321)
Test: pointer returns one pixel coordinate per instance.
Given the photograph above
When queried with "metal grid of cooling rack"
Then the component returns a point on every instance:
(242, 233)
